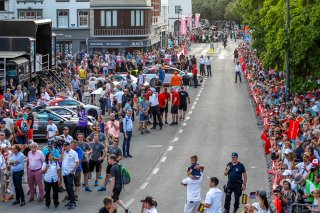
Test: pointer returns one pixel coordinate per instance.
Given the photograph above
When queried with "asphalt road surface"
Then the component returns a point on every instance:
(220, 121)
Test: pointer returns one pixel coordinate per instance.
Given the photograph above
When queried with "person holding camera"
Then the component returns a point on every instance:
(286, 195)
(149, 205)
(237, 180)
(305, 189)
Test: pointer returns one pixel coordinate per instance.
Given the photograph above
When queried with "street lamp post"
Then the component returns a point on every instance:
(288, 53)
(179, 11)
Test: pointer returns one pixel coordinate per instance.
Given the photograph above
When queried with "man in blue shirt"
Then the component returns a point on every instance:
(161, 74)
(77, 175)
(127, 132)
(16, 161)
(49, 148)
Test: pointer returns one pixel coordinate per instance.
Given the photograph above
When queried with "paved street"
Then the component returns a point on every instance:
(221, 120)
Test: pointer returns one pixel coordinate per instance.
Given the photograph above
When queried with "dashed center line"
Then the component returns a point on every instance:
(175, 139)
(144, 185)
(155, 171)
(130, 202)
(184, 124)
(163, 159)
(187, 118)
(170, 148)
(180, 131)
(197, 99)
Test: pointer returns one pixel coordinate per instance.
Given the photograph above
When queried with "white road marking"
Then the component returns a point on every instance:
(175, 139)
(200, 92)
(184, 124)
(180, 131)
(199, 95)
(155, 171)
(194, 103)
(129, 202)
(154, 146)
(190, 112)
(192, 108)
(197, 99)
(143, 186)
(253, 167)
(170, 148)
(187, 118)
(163, 159)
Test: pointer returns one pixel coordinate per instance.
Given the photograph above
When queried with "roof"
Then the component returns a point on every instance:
(11, 54)
(36, 21)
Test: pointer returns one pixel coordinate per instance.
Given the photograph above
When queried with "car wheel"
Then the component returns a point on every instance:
(153, 82)
(93, 113)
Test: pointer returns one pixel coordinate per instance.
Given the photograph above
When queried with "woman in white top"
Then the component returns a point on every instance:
(69, 91)
(262, 206)
(315, 205)
(149, 205)
(52, 172)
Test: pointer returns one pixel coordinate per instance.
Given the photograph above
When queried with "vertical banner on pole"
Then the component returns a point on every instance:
(189, 22)
(183, 25)
(196, 20)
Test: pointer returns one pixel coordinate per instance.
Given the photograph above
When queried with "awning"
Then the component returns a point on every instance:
(19, 60)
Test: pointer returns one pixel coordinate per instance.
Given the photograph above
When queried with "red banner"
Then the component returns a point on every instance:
(196, 20)
(267, 144)
(189, 22)
(183, 25)
(293, 129)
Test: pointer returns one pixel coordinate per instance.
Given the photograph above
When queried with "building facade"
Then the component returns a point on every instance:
(176, 9)
(122, 25)
(70, 19)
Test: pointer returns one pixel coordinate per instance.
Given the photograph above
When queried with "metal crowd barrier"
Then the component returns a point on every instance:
(299, 208)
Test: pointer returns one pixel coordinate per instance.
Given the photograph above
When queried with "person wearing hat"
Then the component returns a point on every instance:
(304, 168)
(51, 149)
(52, 129)
(237, 181)
(286, 195)
(70, 163)
(262, 206)
(149, 205)
(306, 186)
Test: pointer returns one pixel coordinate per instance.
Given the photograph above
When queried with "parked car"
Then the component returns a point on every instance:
(71, 103)
(151, 75)
(70, 112)
(41, 116)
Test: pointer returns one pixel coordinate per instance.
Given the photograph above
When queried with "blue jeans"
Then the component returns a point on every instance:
(126, 144)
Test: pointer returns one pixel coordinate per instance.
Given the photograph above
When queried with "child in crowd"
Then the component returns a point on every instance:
(195, 170)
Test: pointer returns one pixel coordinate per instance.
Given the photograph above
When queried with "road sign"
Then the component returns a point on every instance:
(246, 38)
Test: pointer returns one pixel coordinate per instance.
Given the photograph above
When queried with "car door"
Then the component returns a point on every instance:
(40, 125)
(169, 73)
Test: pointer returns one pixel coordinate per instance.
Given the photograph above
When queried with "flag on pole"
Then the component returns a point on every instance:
(183, 25)
(189, 22)
(196, 20)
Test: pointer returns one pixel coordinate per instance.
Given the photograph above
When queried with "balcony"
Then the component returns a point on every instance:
(30, 1)
(121, 32)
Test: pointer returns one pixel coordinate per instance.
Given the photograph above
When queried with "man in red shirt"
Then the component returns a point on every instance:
(163, 103)
(174, 107)
(21, 135)
(195, 75)
(168, 98)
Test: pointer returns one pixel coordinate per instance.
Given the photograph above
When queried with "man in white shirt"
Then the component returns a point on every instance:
(193, 194)
(238, 72)
(52, 129)
(119, 95)
(304, 167)
(202, 62)
(66, 137)
(155, 110)
(70, 163)
(208, 63)
(213, 197)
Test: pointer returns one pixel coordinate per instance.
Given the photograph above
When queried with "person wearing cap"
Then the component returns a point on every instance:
(306, 186)
(52, 129)
(108, 206)
(305, 166)
(214, 196)
(237, 181)
(2, 176)
(35, 160)
(66, 137)
(262, 206)
(286, 195)
(149, 205)
(51, 149)
(70, 163)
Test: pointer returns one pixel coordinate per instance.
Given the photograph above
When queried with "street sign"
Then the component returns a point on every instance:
(246, 38)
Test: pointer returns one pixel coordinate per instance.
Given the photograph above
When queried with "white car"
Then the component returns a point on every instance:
(151, 75)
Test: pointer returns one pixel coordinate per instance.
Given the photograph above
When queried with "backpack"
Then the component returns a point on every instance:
(121, 126)
(24, 128)
(124, 174)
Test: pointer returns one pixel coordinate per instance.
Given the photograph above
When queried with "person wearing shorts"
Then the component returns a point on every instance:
(183, 97)
(174, 107)
(144, 114)
(77, 175)
(116, 181)
(84, 162)
(97, 156)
